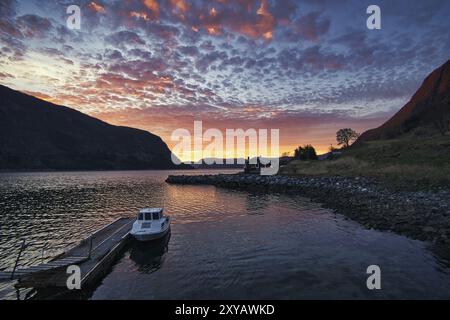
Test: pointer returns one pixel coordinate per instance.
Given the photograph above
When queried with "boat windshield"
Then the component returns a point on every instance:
(155, 215)
(148, 216)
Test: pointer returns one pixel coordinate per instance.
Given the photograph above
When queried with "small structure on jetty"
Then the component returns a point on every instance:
(93, 256)
(254, 167)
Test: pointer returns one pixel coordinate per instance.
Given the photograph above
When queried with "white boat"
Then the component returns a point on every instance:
(150, 224)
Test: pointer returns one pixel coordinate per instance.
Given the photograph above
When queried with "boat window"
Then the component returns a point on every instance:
(148, 216)
(155, 215)
(141, 216)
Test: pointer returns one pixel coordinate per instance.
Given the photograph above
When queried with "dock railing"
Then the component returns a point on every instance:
(22, 247)
(93, 255)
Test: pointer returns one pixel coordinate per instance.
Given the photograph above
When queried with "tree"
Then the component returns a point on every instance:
(306, 152)
(346, 136)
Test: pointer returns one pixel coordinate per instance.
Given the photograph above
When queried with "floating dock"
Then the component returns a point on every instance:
(94, 256)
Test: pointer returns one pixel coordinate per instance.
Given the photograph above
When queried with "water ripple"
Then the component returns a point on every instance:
(224, 243)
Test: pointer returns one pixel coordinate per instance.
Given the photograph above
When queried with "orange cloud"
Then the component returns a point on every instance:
(180, 5)
(96, 7)
(139, 15)
(268, 35)
(260, 24)
(213, 30)
(265, 21)
(153, 5)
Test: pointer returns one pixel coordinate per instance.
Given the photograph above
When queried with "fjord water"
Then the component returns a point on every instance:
(223, 243)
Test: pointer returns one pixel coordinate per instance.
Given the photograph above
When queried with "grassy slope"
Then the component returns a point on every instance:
(411, 162)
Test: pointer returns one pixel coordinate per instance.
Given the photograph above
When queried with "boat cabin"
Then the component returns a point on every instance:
(150, 214)
(150, 224)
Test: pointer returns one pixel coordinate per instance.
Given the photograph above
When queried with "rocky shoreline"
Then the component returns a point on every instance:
(419, 215)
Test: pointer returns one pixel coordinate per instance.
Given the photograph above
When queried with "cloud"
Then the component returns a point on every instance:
(153, 6)
(311, 26)
(189, 50)
(124, 38)
(33, 26)
(248, 62)
(8, 9)
(96, 7)
(4, 75)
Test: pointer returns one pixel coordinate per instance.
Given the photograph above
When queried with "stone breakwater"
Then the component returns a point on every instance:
(419, 215)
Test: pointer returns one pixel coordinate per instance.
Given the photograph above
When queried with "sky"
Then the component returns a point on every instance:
(306, 67)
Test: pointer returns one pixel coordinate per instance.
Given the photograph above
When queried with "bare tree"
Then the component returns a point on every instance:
(346, 136)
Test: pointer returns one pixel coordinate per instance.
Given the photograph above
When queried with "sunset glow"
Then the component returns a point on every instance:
(298, 66)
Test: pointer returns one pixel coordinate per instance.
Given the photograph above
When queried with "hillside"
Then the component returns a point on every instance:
(429, 107)
(411, 150)
(38, 135)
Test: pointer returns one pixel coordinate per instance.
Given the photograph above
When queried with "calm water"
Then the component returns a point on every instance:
(223, 243)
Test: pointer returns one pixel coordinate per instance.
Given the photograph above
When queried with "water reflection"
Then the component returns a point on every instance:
(223, 244)
(149, 256)
(255, 202)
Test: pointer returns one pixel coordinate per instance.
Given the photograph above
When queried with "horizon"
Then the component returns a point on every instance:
(306, 68)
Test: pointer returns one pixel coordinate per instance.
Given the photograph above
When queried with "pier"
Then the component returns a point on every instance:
(93, 255)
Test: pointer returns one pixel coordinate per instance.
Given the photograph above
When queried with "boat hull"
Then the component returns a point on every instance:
(150, 236)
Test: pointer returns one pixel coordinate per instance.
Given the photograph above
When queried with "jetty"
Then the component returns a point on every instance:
(93, 255)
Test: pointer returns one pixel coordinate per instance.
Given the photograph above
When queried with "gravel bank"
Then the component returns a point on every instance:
(419, 215)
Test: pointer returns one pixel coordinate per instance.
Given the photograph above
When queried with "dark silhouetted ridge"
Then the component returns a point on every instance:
(39, 135)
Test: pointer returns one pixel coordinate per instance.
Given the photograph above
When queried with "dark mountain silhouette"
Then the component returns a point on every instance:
(429, 107)
(39, 135)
